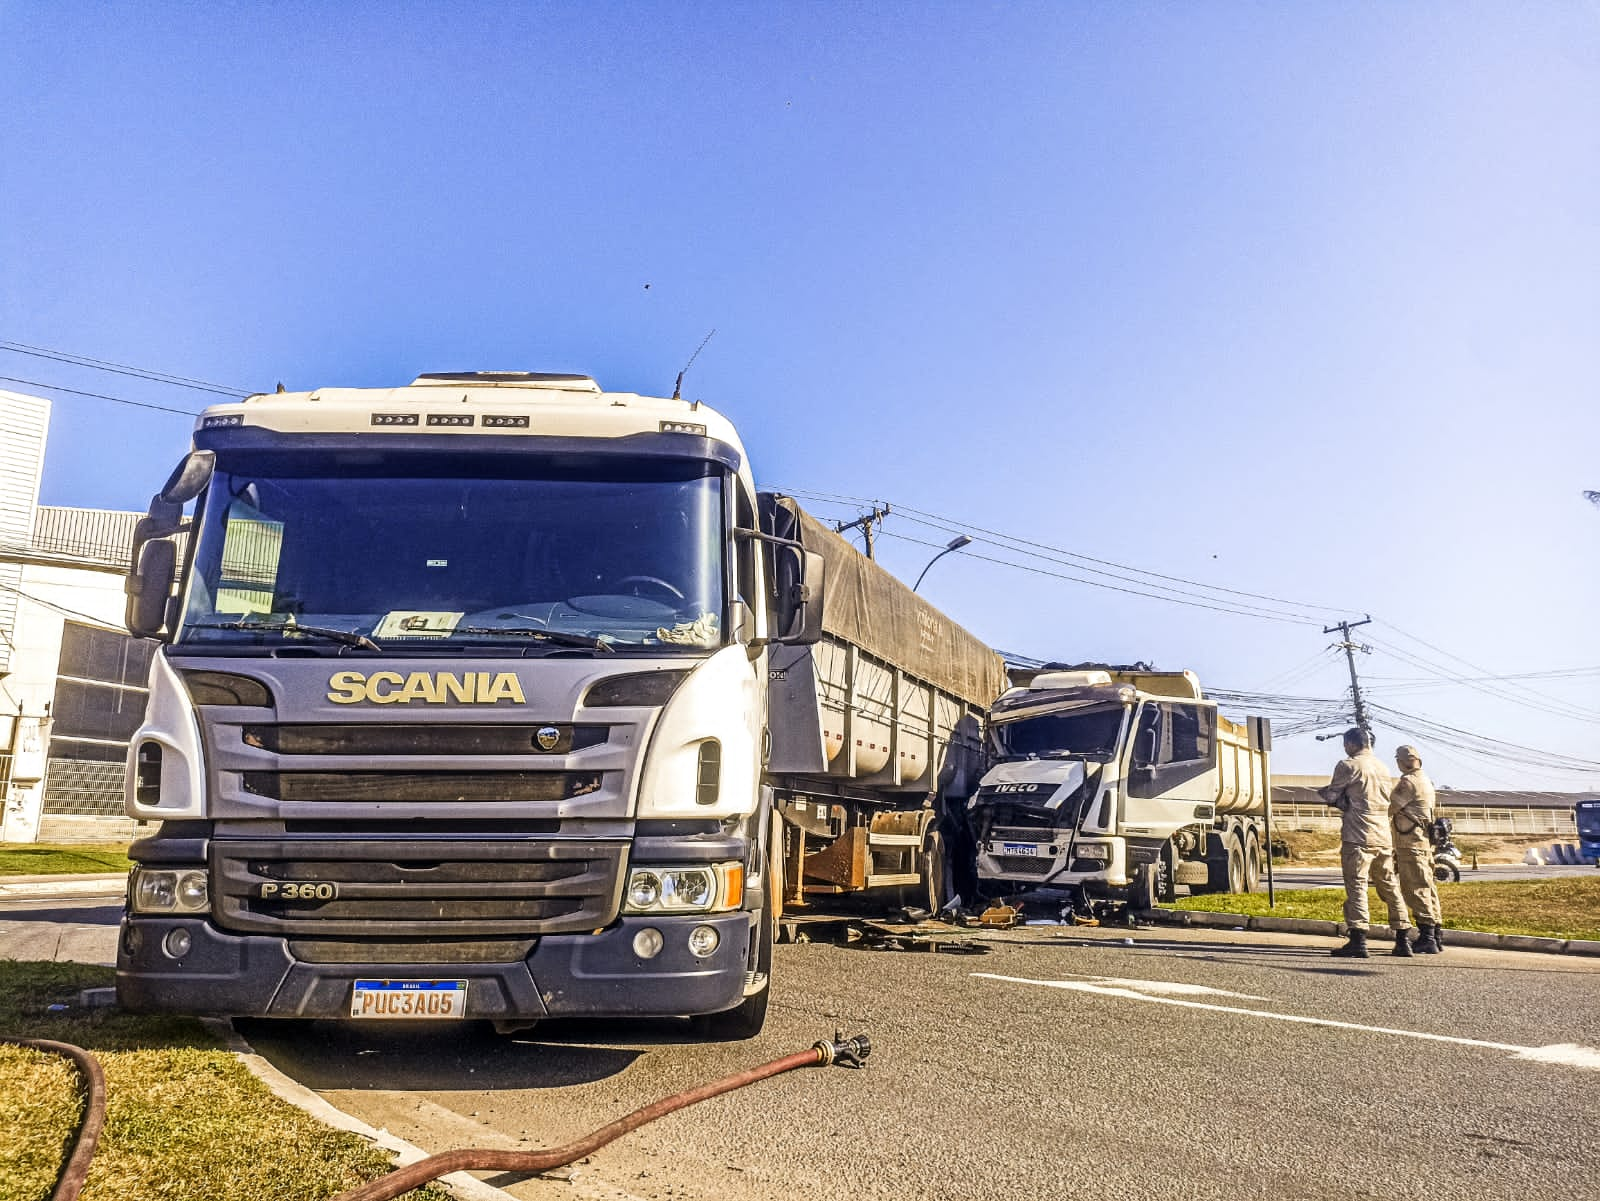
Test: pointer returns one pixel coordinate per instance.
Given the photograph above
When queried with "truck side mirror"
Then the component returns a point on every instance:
(188, 480)
(1144, 752)
(149, 586)
(797, 596)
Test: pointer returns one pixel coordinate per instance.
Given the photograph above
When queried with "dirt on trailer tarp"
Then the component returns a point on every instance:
(865, 605)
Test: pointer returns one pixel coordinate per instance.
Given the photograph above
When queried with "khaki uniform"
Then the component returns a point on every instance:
(1360, 791)
(1410, 814)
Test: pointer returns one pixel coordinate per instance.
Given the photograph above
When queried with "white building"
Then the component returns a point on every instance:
(71, 679)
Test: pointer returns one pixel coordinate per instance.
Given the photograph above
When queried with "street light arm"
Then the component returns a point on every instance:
(956, 543)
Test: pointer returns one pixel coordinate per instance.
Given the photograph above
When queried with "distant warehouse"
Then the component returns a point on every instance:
(1296, 806)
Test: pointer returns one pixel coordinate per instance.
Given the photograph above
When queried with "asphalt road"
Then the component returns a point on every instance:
(72, 929)
(1080, 1063)
(1102, 1063)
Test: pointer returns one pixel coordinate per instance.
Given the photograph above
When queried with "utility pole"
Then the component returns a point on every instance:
(1350, 649)
(867, 523)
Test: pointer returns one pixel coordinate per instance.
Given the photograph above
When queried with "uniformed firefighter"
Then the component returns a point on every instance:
(1360, 791)
(1411, 815)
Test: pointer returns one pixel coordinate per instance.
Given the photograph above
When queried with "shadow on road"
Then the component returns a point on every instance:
(88, 915)
(421, 1056)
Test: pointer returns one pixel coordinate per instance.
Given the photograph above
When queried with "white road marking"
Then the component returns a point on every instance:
(1565, 1054)
(1172, 986)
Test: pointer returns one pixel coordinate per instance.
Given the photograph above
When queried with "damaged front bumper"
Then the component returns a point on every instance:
(1055, 860)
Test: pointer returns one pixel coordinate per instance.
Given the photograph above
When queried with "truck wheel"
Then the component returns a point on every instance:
(1252, 862)
(1235, 868)
(1145, 891)
(1168, 879)
(931, 894)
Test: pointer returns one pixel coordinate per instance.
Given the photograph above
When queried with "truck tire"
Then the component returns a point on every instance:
(931, 894)
(1218, 863)
(1236, 881)
(1153, 882)
(1145, 891)
(1167, 881)
(1252, 861)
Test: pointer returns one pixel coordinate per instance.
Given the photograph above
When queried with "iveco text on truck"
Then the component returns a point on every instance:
(1119, 784)
(498, 696)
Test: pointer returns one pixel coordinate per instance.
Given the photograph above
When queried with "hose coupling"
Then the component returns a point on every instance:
(844, 1052)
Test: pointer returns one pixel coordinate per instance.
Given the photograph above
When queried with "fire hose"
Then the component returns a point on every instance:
(844, 1052)
(76, 1167)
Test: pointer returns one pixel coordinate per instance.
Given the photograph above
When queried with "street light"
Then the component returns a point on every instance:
(955, 543)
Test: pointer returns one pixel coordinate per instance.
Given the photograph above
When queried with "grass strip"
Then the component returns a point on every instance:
(1563, 907)
(185, 1121)
(37, 860)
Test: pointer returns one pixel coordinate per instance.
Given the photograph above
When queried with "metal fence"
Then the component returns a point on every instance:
(1474, 819)
(100, 536)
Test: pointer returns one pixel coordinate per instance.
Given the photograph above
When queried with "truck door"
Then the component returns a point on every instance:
(1174, 764)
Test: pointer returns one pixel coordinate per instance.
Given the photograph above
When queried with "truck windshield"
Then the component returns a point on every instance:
(1083, 733)
(1588, 816)
(431, 550)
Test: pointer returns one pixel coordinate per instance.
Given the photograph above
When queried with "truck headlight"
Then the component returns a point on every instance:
(1091, 850)
(163, 891)
(700, 889)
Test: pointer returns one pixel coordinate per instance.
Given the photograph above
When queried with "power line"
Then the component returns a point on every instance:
(1014, 543)
(160, 377)
(1143, 588)
(99, 622)
(1554, 673)
(121, 400)
(1480, 744)
(1532, 700)
(1195, 604)
(1439, 669)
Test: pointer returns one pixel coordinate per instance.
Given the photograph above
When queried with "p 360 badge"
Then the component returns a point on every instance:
(297, 890)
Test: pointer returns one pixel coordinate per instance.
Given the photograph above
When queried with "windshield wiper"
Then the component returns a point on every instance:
(558, 637)
(292, 630)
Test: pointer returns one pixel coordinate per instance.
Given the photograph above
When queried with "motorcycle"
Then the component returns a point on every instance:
(1446, 855)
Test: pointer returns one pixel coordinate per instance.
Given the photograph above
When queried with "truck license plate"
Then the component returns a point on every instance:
(1019, 848)
(411, 999)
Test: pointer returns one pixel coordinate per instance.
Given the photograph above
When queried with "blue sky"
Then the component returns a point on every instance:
(1300, 300)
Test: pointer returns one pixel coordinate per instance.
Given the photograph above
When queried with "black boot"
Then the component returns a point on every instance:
(1356, 948)
(1402, 943)
(1428, 942)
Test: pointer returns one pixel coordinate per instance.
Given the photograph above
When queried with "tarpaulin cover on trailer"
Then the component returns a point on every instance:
(864, 604)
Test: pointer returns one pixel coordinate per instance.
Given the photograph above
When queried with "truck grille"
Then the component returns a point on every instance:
(425, 786)
(1021, 817)
(401, 888)
(368, 739)
(1024, 865)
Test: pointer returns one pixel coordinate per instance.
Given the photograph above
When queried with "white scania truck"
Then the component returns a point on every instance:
(497, 696)
(1119, 784)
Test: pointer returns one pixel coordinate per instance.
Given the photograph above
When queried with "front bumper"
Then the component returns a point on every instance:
(1062, 871)
(564, 975)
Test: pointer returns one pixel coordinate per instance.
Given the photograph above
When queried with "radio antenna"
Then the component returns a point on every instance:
(677, 388)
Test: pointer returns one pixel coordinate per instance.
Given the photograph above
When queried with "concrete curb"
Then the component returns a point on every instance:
(303, 1098)
(63, 886)
(1324, 929)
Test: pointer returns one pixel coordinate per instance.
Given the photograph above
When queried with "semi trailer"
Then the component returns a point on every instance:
(1119, 784)
(497, 696)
